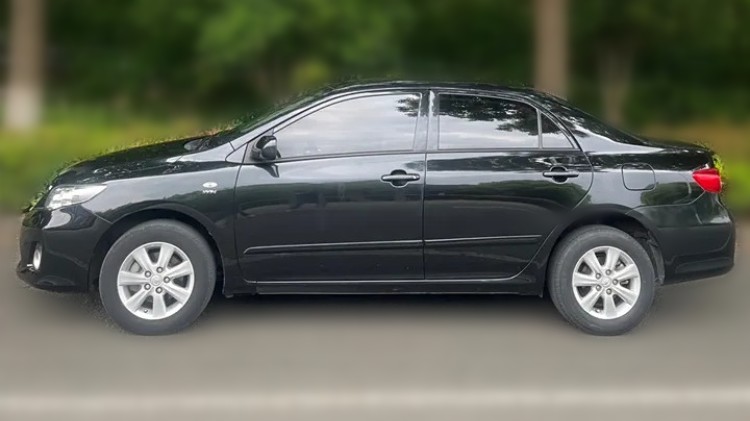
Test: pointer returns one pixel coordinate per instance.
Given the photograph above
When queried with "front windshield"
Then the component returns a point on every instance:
(251, 121)
(257, 119)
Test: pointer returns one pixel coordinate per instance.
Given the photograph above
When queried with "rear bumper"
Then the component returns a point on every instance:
(68, 238)
(696, 241)
(698, 252)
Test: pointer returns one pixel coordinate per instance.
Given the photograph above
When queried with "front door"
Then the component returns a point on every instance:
(343, 202)
(499, 174)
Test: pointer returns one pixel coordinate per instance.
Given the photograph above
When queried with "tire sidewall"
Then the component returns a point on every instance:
(562, 280)
(196, 249)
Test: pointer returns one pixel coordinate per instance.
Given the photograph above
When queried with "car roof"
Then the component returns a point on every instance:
(401, 84)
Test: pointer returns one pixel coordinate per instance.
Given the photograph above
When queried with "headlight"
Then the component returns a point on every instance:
(71, 195)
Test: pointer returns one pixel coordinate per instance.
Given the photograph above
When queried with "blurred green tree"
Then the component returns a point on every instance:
(273, 47)
(638, 60)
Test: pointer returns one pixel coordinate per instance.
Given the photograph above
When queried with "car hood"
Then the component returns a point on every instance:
(128, 163)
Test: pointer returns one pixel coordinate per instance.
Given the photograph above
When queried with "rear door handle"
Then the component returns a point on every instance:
(560, 174)
(400, 178)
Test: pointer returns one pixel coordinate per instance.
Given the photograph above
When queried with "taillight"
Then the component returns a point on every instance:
(709, 179)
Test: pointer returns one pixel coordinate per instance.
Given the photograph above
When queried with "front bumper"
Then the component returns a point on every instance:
(68, 238)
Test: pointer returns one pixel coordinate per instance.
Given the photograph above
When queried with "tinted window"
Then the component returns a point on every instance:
(472, 122)
(369, 124)
(553, 136)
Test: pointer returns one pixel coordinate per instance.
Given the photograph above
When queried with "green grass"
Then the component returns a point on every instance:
(29, 160)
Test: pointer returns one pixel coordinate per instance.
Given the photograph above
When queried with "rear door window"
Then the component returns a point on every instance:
(476, 122)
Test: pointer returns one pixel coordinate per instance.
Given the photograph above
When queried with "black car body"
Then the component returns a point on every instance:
(393, 188)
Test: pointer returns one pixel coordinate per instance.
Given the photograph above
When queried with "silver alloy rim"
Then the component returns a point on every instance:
(606, 283)
(155, 281)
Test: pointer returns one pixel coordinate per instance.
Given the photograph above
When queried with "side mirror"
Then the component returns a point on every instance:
(265, 149)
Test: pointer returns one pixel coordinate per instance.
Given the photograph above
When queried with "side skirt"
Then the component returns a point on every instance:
(442, 286)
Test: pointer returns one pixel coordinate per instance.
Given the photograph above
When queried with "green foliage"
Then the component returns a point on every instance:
(218, 53)
(736, 177)
(690, 59)
(278, 46)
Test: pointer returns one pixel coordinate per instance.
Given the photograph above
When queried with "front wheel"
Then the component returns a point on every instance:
(157, 278)
(602, 280)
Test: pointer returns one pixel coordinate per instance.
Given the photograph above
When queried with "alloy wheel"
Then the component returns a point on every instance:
(606, 283)
(155, 281)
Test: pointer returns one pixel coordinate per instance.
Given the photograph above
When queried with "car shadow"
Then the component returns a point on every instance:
(387, 304)
(687, 300)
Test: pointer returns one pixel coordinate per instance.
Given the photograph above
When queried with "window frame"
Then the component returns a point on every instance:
(435, 117)
(418, 136)
(573, 145)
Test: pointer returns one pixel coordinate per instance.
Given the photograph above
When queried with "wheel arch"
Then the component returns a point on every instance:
(126, 222)
(628, 222)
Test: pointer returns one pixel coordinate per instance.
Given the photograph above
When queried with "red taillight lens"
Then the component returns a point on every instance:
(709, 179)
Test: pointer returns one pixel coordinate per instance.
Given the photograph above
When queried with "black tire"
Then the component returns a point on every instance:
(175, 233)
(563, 265)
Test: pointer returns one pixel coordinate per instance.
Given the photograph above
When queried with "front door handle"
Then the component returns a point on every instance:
(399, 178)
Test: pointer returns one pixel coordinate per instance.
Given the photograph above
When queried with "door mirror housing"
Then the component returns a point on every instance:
(265, 149)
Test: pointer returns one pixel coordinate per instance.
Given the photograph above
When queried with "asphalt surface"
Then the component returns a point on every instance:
(362, 358)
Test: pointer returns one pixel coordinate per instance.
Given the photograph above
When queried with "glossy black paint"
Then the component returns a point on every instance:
(504, 206)
(330, 219)
(423, 220)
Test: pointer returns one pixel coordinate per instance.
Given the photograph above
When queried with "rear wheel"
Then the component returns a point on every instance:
(157, 278)
(602, 280)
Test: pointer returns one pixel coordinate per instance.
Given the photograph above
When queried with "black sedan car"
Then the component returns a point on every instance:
(387, 188)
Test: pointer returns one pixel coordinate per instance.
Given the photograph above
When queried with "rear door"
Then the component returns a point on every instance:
(344, 200)
(499, 173)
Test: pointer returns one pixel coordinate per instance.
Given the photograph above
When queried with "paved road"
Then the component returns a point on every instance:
(352, 358)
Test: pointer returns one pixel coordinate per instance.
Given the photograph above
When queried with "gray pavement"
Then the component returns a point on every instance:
(422, 357)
